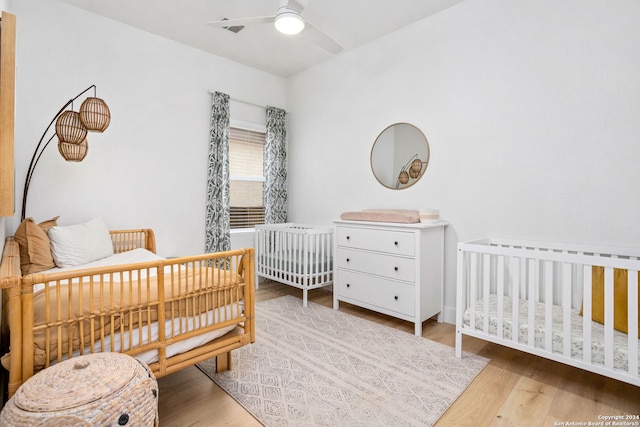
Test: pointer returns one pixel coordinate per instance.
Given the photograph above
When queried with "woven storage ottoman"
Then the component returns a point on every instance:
(101, 389)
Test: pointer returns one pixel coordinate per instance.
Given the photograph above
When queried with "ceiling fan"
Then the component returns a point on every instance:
(288, 20)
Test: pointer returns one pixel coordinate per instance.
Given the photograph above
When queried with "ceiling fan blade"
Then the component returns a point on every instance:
(322, 39)
(242, 21)
(297, 5)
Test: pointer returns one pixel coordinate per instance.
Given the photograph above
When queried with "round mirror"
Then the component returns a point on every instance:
(400, 156)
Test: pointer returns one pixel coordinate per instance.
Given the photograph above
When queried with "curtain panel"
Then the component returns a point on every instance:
(275, 167)
(217, 235)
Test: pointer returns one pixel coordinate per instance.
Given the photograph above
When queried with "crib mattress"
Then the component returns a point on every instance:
(292, 262)
(577, 342)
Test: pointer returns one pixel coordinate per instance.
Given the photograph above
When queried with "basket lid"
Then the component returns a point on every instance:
(77, 382)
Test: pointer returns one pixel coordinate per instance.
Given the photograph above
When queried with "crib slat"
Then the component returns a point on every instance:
(608, 318)
(566, 309)
(532, 286)
(516, 281)
(632, 310)
(486, 281)
(548, 305)
(303, 257)
(578, 291)
(473, 281)
(287, 261)
(586, 314)
(500, 294)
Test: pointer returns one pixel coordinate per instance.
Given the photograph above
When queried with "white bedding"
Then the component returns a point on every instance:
(180, 326)
(128, 257)
(597, 330)
(134, 255)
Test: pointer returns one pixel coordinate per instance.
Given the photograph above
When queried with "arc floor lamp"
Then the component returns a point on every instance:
(412, 170)
(71, 128)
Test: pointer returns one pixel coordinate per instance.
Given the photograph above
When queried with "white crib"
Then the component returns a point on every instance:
(299, 255)
(551, 284)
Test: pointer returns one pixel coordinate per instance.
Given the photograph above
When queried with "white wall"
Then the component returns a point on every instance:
(3, 233)
(531, 110)
(148, 169)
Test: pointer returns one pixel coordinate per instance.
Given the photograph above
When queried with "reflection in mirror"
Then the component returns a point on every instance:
(399, 156)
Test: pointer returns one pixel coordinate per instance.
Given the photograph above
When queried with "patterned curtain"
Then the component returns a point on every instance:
(217, 236)
(275, 167)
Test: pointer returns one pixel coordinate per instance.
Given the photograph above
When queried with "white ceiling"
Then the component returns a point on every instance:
(351, 23)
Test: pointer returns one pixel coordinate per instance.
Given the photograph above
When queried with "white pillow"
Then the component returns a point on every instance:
(81, 243)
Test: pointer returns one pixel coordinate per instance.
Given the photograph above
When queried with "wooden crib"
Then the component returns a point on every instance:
(169, 313)
(550, 300)
(298, 255)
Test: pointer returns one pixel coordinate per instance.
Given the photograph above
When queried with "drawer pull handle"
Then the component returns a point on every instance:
(347, 259)
(395, 268)
(348, 285)
(348, 237)
(396, 297)
(395, 243)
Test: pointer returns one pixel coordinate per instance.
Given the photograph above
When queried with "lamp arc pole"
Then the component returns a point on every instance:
(40, 149)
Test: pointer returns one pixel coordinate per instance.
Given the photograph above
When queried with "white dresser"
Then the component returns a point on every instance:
(395, 269)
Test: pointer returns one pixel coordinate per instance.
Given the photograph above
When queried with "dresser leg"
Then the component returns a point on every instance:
(418, 328)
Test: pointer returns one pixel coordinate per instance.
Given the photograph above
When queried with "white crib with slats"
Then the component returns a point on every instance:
(299, 255)
(545, 298)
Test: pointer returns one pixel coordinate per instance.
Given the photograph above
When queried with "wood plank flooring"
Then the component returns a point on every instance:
(515, 389)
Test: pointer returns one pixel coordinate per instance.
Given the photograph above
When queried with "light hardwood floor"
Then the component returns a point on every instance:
(515, 389)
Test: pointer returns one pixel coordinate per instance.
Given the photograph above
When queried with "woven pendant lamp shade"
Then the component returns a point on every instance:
(73, 152)
(404, 177)
(69, 128)
(95, 114)
(416, 165)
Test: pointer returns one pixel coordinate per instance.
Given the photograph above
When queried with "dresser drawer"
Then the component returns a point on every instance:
(376, 291)
(389, 241)
(390, 266)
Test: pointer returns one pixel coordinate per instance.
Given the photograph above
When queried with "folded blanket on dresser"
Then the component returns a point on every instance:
(405, 216)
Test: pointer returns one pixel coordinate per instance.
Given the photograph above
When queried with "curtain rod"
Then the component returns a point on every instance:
(211, 92)
(253, 104)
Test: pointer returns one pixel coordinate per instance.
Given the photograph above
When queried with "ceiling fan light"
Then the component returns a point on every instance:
(289, 22)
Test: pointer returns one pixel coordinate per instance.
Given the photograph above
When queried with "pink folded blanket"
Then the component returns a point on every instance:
(405, 216)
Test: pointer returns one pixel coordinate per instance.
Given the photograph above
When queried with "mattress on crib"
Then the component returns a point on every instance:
(293, 261)
(597, 330)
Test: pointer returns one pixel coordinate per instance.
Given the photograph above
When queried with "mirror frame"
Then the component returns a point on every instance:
(406, 169)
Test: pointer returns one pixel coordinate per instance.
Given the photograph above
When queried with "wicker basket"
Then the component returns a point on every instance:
(101, 389)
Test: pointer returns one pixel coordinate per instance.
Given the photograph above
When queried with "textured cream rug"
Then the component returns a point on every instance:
(316, 366)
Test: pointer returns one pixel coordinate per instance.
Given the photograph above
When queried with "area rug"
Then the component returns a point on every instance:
(317, 366)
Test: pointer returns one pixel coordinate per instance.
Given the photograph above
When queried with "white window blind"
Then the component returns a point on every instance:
(246, 177)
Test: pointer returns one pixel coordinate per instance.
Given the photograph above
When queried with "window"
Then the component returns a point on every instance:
(246, 177)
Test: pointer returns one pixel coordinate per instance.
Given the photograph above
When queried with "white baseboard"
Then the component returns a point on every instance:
(450, 315)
